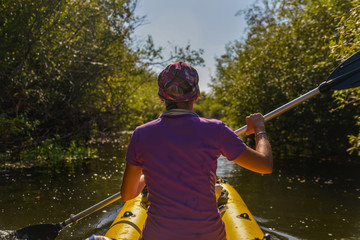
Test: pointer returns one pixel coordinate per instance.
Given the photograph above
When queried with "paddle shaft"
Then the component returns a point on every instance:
(90, 210)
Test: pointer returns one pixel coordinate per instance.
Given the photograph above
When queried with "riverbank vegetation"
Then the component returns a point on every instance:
(291, 47)
(72, 71)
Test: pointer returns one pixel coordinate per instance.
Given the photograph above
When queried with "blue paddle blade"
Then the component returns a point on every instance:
(346, 75)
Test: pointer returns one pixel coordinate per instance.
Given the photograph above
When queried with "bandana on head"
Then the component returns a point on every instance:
(181, 70)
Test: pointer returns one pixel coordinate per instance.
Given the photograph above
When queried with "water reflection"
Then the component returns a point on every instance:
(295, 202)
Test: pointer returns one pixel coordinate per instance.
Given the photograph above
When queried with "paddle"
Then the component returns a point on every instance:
(345, 76)
(50, 231)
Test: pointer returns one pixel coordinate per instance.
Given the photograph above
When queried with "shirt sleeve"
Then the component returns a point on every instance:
(132, 154)
(231, 146)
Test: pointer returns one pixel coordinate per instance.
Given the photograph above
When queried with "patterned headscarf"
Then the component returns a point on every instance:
(180, 70)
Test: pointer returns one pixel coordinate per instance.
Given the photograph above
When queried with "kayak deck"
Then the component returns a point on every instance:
(239, 222)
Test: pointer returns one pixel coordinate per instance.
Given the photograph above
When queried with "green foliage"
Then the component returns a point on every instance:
(144, 104)
(62, 57)
(285, 54)
(344, 43)
(14, 132)
(55, 156)
(57, 59)
(355, 140)
(207, 107)
(71, 68)
(20, 149)
(15, 126)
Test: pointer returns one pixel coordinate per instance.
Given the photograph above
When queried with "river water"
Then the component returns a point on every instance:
(300, 200)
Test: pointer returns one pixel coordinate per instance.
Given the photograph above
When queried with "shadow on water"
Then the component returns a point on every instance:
(298, 201)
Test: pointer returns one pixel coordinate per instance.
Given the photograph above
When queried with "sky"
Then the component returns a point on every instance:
(206, 24)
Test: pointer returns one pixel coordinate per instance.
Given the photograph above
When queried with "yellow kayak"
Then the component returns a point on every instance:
(239, 223)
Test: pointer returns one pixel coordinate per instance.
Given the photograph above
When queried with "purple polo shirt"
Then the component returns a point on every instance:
(179, 155)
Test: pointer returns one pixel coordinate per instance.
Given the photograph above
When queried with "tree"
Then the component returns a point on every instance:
(345, 42)
(285, 55)
(207, 107)
(70, 67)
